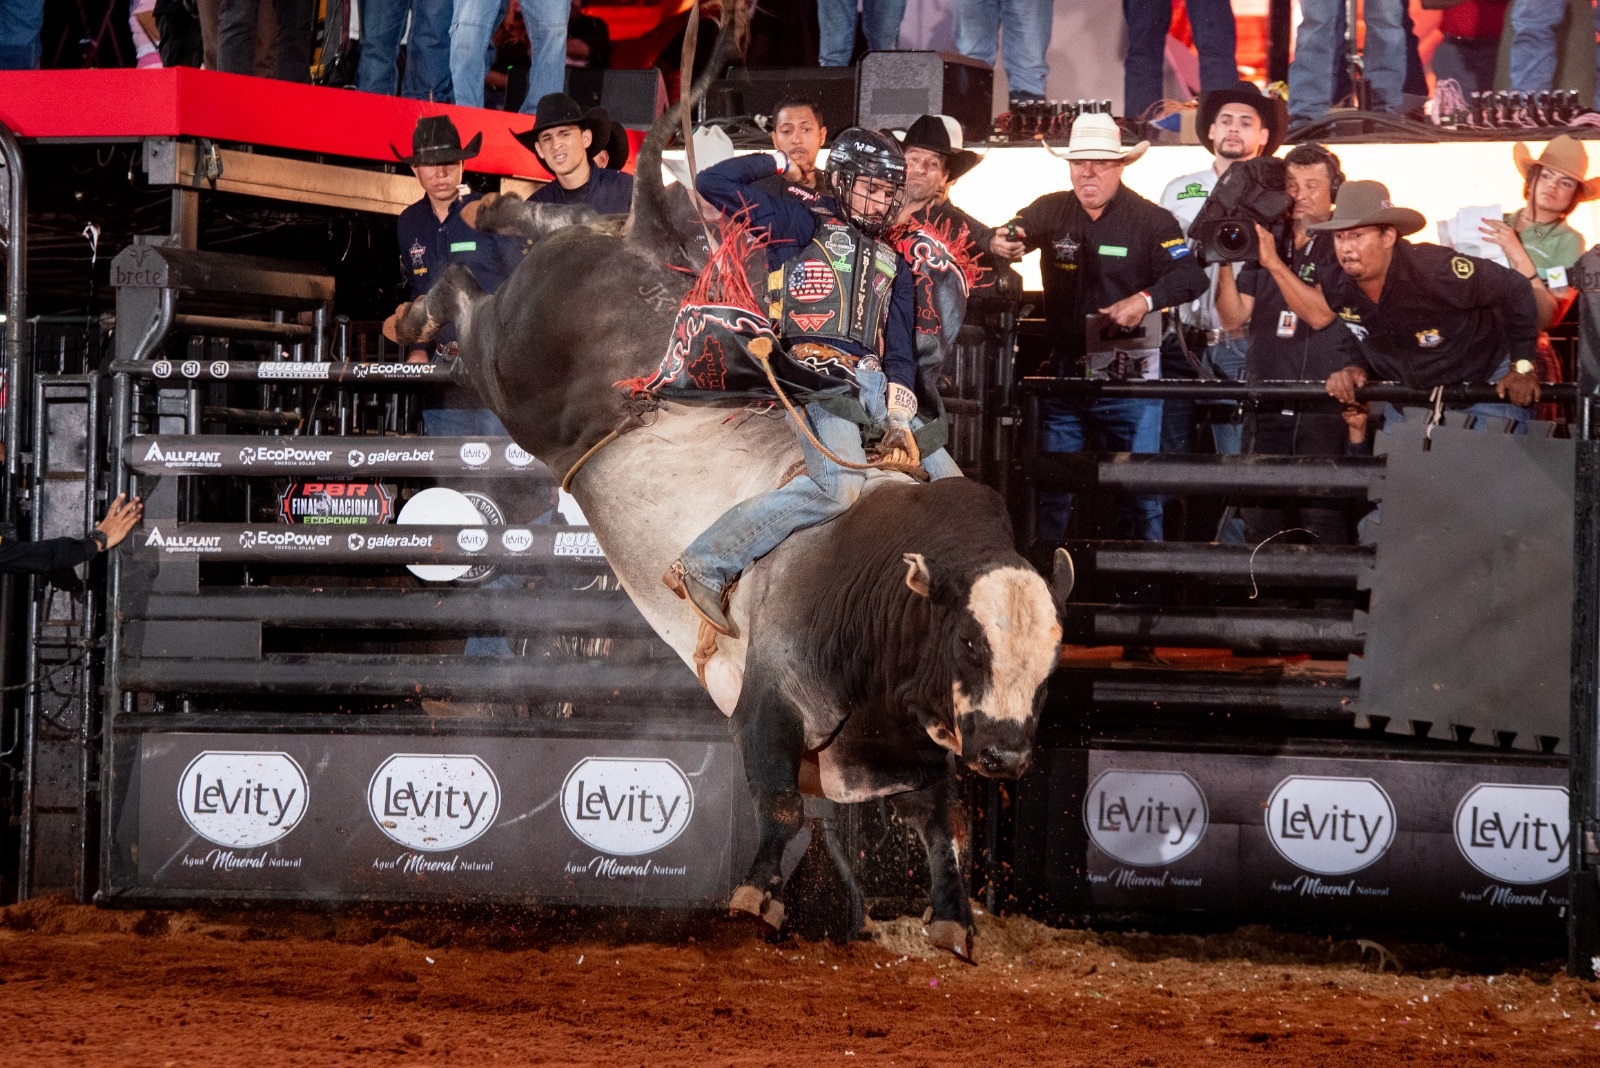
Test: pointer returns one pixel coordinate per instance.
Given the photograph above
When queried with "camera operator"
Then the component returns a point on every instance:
(1424, 315)
(1240, 123)
(1284, 347)
(1111, 255)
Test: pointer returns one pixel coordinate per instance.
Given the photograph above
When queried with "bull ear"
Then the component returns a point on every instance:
(1062, 577)
(918, 581)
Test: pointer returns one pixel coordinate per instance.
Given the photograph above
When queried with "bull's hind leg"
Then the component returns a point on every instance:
(941, 822)
(771, 739)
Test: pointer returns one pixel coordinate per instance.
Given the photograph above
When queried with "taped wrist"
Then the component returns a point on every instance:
(902, 405)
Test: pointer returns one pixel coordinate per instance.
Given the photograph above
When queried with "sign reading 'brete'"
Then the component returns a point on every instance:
(1516, 834)
(1330, 826)
(242, 800)
(433, 801)
(1145, 818)
(626, 807)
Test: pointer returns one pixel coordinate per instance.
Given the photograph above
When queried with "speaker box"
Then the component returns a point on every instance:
(754, 92)
(896, 87)
(635, 98)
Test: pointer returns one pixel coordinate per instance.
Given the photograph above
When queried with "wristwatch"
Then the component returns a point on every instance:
(1523, 367)
(99, 538)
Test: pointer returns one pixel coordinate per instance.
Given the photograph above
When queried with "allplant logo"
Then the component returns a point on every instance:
(1330, 826)
(626, 807)
(1515, 834)
(242, 800)
(1145, 818)
(433, 801)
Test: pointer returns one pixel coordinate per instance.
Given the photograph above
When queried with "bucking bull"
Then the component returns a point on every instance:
(874, 651)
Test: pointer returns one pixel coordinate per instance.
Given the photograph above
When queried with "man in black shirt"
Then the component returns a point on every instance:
(1424, 315)
(1283, 347)
(58, 554)
(934, 161)
(1111, 254)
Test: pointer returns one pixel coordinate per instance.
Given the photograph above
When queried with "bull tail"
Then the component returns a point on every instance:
(650, 228)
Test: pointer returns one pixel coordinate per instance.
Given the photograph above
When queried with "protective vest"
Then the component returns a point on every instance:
(838, 286)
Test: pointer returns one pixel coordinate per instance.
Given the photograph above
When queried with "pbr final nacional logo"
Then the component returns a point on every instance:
(1330, 826)
(242, 800)
(433, 801)
(626, 807)
(1515, 834)
(1145, 818)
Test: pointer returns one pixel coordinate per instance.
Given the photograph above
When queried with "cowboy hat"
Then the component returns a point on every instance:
(711, 145)
(1097, 136)
(1367, 204)
(1565, 155)
(613, 140)
(1274, 115)
(559, 109)
(436, 140)
(941, 134)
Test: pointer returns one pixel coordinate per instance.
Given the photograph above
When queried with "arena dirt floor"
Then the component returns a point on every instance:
(83, 986)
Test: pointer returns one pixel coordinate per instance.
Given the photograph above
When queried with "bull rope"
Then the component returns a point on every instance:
(761, 349)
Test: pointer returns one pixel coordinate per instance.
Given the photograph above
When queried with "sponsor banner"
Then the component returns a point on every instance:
(1312, 838)
(285, 370)
(539, 545)
(371, 375)
(580, 820)
(334, 457)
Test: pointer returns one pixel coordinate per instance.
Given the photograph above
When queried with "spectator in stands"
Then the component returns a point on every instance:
(1319, 42)
(236, 38)
(609, 152)
(561, 137)
(145, 33)
(1111, 255)
(427, 48)
(588, 40)
(1285, 348)
(1533, 44)
(59, 554)
(1424, 315)
(178, 35)
(21, 22)
(1470, 47)
(836, 21)
(1148, 24)
(1026, 25)
(432, 235)
(799, 133)
(1240, 123)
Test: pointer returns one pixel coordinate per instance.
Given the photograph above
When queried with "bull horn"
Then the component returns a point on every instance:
(1062, 578)
(918, 581)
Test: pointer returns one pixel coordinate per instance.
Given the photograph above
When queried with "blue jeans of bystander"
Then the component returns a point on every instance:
(1026, 25)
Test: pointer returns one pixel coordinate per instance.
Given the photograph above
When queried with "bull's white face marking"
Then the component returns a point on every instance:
(1018, 617)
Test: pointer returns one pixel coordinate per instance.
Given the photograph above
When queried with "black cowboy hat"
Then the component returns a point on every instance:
(942, 134)
(559, 109)
(613, 140)
(1274, 114)
(436, 140)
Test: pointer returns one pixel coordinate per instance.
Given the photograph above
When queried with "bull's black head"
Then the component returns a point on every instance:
(1004, 638)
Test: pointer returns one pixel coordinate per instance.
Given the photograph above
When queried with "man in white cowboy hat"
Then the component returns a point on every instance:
(1538, 241)
(1109, 256)
(1425, 315)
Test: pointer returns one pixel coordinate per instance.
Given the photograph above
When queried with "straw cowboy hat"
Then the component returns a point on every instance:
(1566, 156)
(941, 134)
(436, 140)
(1367, 204)
(1096, 136)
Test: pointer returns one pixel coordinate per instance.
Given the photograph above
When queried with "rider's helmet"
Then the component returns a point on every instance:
(863, 153)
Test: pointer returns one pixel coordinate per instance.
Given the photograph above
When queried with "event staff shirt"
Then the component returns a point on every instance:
(608, 192)
(1283, 347)
(1442, 318)
(1088, 264)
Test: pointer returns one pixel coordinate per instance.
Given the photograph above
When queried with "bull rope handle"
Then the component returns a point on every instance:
(761, 349)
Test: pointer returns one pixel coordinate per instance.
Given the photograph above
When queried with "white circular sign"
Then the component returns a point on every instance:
(1516, 834)
(1145, 818)
(242, 800)
(433, 801)
(626, 807)
(1328, 825)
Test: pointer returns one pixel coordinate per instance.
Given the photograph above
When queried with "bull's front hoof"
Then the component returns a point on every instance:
(391, 325)
(953, 938)
(757, 904)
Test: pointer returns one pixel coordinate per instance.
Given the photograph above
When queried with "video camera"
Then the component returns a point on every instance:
(1249, 192)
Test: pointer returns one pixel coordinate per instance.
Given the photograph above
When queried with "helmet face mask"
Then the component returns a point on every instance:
(858, 155)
